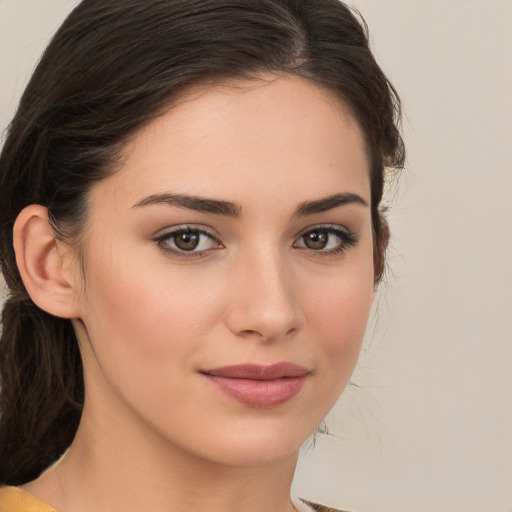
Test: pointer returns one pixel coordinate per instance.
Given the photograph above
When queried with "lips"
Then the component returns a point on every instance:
(257, 385)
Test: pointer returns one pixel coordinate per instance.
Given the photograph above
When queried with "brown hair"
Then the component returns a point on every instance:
(111, 67)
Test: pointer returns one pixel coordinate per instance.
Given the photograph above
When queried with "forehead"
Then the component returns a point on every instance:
(283, 134)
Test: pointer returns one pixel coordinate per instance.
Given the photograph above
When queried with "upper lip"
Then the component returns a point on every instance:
(259, 372)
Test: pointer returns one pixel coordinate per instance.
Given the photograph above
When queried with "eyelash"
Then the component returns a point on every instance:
(346, 238)
(164, 239)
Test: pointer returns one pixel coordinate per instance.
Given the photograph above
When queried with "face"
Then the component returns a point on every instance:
(229, 273)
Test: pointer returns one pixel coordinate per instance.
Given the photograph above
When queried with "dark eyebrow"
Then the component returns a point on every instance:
(328, 203)
(199, 204)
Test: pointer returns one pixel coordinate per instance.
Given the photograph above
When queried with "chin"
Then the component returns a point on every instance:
(263, 444)
(266, 452)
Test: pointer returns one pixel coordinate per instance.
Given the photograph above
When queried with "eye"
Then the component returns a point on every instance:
(326, 239)
(185, 240)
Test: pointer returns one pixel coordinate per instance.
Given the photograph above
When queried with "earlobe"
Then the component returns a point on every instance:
(44, 264)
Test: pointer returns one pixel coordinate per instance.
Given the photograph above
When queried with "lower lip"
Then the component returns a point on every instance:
(259, 393)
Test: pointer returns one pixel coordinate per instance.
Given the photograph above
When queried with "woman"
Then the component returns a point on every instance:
(191, 237)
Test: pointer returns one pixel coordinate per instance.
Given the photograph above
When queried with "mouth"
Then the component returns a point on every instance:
(259, 386)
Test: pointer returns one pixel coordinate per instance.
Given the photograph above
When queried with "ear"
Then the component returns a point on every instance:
(46, 264)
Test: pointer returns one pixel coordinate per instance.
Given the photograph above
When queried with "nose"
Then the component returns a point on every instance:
(264, 299)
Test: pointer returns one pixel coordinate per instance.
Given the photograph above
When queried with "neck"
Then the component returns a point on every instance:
(123, 471)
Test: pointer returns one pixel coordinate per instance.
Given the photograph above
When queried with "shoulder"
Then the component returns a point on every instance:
(14, 499)
(319, 508)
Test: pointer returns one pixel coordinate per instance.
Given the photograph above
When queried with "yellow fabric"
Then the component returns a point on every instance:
(13, 499)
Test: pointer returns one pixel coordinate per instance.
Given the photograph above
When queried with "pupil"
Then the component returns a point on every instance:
(187, 241)
(316, 240)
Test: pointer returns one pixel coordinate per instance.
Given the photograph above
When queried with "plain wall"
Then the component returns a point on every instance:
(427, 422)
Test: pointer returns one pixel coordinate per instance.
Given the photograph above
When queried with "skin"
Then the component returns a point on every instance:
(155, 431)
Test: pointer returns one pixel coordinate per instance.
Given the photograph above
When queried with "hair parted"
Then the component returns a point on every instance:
(110, 68)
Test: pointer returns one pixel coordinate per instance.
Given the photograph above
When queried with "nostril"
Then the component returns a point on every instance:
(265, 312)
(267, 334)
(251, 332)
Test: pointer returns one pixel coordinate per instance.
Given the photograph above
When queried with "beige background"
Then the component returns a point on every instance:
(427, 424)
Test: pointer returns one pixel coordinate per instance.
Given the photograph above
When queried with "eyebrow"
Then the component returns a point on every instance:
(199, 204)
(229, 209)
(329, 203)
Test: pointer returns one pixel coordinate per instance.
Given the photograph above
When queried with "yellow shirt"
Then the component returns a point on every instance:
(13, 499)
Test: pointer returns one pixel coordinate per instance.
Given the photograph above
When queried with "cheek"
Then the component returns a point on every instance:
(146, 323)
(142, 308)
(338, 314)
(344, 312)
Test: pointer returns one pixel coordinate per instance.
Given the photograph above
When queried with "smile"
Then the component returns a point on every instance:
(259, 386)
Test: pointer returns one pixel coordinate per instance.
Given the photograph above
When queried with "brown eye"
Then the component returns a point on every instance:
(187, 241)
(316, 240)
(326, 240)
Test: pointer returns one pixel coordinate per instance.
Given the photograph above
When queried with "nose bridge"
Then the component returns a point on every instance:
(264, 301)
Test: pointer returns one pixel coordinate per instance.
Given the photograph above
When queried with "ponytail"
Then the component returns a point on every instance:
(42, 391)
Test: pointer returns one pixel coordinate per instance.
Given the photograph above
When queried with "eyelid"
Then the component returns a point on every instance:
(347, 238)
(201, 228)
(326, 227)
(165, 234)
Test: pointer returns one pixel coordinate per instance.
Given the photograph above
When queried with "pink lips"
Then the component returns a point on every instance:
(259, 386)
